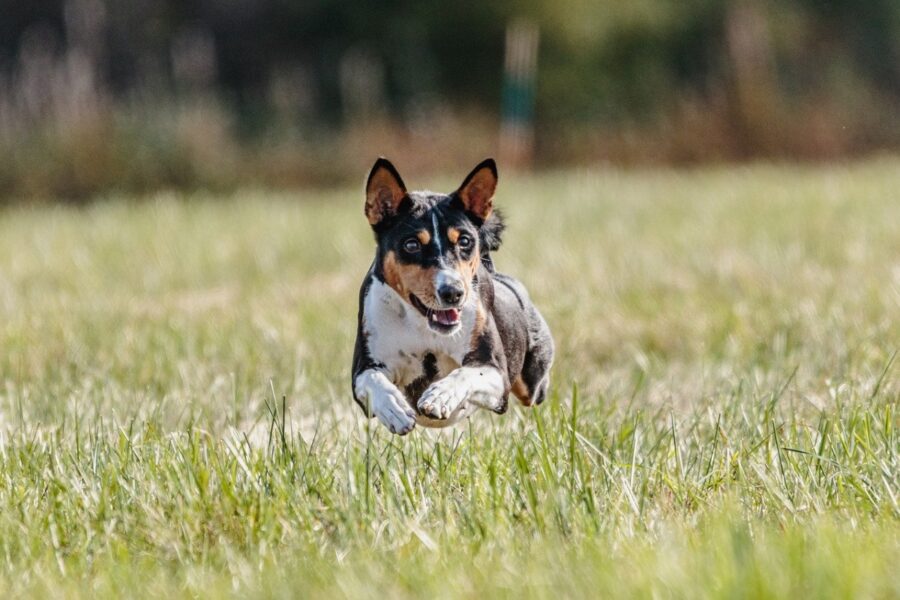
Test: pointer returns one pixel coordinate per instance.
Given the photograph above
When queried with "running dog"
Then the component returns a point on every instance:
(440, 332)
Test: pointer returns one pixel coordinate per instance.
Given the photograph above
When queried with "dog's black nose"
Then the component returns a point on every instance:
(450, 294)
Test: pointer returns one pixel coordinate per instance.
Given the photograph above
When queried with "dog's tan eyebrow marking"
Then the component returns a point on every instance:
(452, 234)
(424, 237)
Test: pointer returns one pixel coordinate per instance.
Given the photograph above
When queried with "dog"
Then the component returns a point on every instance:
(440, 333)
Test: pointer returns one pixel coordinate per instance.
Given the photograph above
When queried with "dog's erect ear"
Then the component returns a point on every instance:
(384, 191)
(477, 191)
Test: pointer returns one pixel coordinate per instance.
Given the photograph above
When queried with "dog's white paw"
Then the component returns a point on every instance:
(443, 397)
(393, 411)
(385, 401)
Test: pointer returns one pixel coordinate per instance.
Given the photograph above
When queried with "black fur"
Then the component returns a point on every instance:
(429, 374)
(361, 358)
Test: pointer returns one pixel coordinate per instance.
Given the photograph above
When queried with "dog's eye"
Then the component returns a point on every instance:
(412, 245)
(465, 242)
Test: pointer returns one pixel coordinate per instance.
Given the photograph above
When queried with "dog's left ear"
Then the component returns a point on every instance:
(477, 190)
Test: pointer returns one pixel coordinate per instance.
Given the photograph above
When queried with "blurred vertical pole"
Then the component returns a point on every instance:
(754, 87)
(520, 68)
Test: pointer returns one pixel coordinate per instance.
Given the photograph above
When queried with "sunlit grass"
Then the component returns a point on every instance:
(175, 416)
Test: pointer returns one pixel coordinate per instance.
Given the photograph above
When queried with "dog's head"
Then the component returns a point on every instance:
(430, 245)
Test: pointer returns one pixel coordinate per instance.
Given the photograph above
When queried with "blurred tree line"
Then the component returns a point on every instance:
(140, 94)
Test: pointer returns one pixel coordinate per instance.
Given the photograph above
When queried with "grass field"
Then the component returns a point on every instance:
(175, 416)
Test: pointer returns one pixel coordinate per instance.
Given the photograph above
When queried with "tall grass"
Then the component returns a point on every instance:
(175, 416)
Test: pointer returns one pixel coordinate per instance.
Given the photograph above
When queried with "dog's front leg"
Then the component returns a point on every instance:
(481, 385)
(385, 400)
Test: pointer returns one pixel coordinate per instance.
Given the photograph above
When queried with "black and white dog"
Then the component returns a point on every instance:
(440, 332)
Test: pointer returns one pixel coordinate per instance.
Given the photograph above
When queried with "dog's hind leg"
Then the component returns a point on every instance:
(532, 385)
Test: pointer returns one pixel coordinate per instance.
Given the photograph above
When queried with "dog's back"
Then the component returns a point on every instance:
(519, 320)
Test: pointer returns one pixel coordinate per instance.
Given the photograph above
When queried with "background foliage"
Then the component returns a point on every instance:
(98, 95)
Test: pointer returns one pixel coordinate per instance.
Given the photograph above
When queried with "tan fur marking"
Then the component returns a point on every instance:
(467, 271)
(424, 237)
(392, 277)
(409, 279)
(452, 234)
(480, 319)
(521, 391)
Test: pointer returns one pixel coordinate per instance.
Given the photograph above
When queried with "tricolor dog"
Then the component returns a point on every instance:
(441, 333)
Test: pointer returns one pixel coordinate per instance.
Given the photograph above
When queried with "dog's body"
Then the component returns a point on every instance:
(440, 332)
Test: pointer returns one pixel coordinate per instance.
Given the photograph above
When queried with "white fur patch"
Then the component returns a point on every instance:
(474, 386)
(398, 337)
(386, 402)
(437, 234)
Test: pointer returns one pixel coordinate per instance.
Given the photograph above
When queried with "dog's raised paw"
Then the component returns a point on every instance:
(442, 398)
(392, 410)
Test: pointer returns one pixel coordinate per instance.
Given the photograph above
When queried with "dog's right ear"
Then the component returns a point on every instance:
(384, 191)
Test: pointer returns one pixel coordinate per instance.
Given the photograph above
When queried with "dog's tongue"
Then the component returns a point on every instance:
(446, 317)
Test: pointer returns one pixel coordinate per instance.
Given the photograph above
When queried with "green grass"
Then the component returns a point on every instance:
(175, 417)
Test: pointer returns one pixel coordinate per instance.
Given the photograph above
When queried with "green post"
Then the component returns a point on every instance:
(520, 69)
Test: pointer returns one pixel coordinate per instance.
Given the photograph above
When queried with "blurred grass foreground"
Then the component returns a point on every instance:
(100, 96)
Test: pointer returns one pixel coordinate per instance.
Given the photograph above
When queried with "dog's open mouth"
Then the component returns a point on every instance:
(442, 321)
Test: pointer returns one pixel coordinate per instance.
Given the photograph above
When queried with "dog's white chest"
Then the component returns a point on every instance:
(399, 337)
